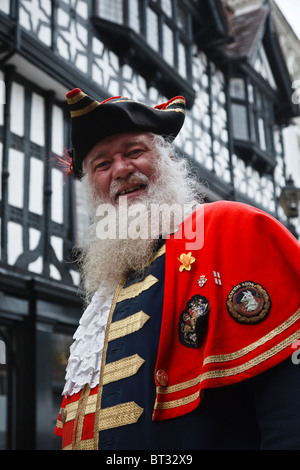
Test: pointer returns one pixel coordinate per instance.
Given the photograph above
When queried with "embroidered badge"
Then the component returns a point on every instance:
(186, 261)
(202, 281)
(248, 303)
(192, 321)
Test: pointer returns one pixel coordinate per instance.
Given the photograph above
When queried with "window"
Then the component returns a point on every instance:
(252, 114)
(252, 118)
(165, 25)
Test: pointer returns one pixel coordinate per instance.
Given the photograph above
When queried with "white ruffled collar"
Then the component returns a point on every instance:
(86, 351)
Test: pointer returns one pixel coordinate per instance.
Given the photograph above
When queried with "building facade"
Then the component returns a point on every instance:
(234, 75)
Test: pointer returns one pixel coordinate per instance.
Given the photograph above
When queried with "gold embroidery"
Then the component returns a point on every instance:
(256, 344)
(234, 370)
(119, 415)
(69, 447)
(176, 403)
(122, 369)
(100, 389)
(87, 109)
(159, 253)
(128, 325)
(77, 430)
(136, 289)
(71, 408)
(254, 362)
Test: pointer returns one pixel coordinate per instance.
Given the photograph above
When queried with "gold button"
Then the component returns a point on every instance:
(162, 377)
(63, 415)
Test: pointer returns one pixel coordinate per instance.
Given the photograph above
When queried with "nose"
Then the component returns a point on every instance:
(122, 167)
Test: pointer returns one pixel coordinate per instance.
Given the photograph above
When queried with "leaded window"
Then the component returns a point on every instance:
(165, 25)
(252, 119)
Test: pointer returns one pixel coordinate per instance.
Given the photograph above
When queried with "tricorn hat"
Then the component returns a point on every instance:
(92, 121)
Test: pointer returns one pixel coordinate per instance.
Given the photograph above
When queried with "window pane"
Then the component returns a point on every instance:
(181, 19)
(237, 88)
(182, 59)
(60, 353)
(134, 20)
(152, 29)
(168, 45)
(239, 122)
(111, 10)
(3, 395)
(262, 136)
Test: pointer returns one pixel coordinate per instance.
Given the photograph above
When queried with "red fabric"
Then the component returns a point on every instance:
(241, 243)
(66, 429)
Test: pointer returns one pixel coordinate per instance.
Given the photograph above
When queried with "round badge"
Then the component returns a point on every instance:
(162, 377)
(248, 303)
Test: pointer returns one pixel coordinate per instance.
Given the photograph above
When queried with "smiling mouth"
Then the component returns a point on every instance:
(131, 190)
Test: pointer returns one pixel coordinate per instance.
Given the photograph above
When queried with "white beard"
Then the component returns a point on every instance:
(104, 261)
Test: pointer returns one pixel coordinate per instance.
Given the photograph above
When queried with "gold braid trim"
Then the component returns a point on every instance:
(128, 325)
(86, 110)
(234, 370)
(76, 442)
(136, 289)
(122, 369)
(104, 352)
(235, 355)
(119, 415)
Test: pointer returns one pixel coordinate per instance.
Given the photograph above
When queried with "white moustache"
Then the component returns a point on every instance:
(136, 178)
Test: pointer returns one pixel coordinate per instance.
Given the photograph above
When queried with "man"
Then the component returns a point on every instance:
(189, 337)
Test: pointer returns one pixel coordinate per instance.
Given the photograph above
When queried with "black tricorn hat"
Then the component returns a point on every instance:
(92, 121)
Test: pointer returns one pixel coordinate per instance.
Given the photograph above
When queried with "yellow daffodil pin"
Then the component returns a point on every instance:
(186, 261)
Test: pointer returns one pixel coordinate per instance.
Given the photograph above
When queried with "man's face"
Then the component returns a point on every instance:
(112, 163)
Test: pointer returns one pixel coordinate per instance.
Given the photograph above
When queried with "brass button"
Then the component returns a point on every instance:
(63, 415)
(162, 377)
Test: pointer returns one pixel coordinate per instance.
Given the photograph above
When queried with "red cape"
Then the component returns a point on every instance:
(239, 249)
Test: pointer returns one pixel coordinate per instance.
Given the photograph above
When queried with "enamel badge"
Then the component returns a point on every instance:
(248, 303)
(192, 321)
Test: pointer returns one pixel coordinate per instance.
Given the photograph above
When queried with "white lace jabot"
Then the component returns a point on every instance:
(86, 352)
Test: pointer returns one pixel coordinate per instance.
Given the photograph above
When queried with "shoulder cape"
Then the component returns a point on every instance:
(249, 290)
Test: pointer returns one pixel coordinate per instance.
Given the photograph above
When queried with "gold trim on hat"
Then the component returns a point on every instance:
(86, 110)
(76, 98)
